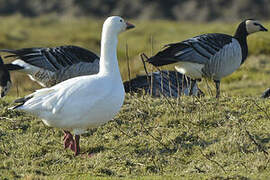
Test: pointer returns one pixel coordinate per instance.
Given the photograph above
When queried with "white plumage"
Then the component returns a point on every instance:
(86, 101)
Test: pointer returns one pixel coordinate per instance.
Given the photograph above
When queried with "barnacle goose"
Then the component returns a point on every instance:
(209, 55)
(85, 101)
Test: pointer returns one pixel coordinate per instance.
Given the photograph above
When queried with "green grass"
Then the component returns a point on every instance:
(186, 138)
(193, 138)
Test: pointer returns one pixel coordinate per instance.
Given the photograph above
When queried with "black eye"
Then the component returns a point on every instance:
(121, 20)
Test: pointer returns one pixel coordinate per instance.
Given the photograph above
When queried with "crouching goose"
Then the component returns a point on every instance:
(49, 66)
(209, 55)
(162, 83)
(85, 101)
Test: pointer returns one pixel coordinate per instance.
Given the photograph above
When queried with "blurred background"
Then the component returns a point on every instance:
(50, 23)
(194, 10)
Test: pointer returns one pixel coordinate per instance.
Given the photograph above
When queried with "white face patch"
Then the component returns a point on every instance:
(251, 27)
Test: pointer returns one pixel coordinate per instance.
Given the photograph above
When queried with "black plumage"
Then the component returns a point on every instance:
(241, 35)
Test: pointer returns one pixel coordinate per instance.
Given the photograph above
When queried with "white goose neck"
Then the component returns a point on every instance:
(108, 57)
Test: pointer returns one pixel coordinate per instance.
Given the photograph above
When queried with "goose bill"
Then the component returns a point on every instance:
(263, 29)
(129, 25)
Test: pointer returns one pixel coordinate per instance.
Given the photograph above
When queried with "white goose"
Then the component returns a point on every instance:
(86, 101)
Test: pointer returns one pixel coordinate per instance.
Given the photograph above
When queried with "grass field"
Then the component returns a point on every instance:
(150, 138)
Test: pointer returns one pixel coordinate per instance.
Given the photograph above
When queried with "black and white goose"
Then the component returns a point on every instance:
(50, 66)
(211, 55)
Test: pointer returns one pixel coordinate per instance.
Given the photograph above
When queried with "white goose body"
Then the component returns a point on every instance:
(86, 101)
(78, 103)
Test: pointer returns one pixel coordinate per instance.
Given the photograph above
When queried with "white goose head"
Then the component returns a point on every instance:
(108, 56)
(116, 24)
(253, 26)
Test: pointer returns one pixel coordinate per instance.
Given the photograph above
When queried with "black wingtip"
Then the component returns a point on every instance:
(154, 60)
(21, 102)
(165, 56)
(159, 61)
(23, 99)
(15, 107)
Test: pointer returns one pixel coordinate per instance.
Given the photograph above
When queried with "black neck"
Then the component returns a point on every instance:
(241, 35)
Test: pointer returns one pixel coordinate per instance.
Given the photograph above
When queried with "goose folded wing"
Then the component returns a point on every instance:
(70, 94)
(199, 49)
(53, 59)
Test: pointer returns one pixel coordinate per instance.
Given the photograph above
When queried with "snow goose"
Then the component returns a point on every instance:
(209, 55)
(5, 81)
(86, 101)
(49, 66)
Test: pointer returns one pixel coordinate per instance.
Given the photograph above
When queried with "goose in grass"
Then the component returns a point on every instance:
(85, 101)
(212, 55)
